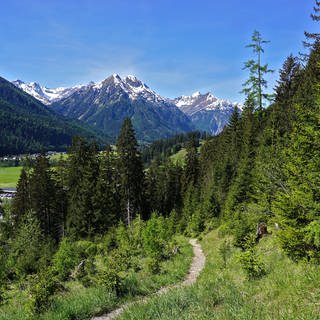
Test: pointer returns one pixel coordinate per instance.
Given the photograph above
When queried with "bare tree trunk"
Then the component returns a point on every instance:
(128, 212)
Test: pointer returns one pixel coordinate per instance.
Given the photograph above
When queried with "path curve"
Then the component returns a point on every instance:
(196, 267)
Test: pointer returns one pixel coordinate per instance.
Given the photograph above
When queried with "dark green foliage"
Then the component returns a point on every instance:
(83, 168)
(22, 201)
(106, 200)
(131, 175)
(45, 199)
(191, 169)
(297, 203)
(163, 187)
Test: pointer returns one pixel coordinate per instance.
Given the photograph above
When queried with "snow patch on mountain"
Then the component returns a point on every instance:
(206, 111)
(44, 94)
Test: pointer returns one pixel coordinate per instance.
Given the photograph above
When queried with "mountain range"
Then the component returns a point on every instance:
(207, 112)
(28, 126)
(105, 104)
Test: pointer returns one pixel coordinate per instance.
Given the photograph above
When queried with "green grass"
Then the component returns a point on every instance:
(287, 291)
(58, 156)
(179, 156)
(9, 176)
(78, 302)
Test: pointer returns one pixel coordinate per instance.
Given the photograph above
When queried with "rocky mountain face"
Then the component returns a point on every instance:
(104, 105)
(207, 112)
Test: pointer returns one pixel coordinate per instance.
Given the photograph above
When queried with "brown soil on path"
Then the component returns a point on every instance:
(196, 267)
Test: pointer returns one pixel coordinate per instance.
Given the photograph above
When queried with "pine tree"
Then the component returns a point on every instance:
(82, 178)
(131, 173)
(287, 85)
(21, 202)
(297, 205)
(241, 187)
(255, 85)
(106, 200)
(313, 37)
(43, 195)
(191, 169)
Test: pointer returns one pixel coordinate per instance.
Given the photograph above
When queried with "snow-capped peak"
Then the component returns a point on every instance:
(196, 94)
(130, 84)
(44, 94)
(116, 78)
(131, 78)
(197, 102)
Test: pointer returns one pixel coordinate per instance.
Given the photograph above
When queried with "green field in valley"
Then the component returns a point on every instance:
(9, 176)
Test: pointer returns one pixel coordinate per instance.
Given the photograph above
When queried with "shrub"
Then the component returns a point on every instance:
(113, 275)
(71, 256)
(43, 285)
(28, 251)
(252, 264)
(65, 259)
(155, 237)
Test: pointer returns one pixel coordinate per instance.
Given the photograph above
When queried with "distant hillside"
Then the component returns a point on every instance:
(26, 125)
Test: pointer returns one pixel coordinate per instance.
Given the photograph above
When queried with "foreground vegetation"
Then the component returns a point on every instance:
(90, 277)
(287, 290)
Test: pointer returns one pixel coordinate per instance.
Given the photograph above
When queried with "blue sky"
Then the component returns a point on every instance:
(175, 46)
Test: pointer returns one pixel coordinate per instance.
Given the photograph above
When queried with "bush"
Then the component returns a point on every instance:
(155, 237)
(65, 259)
(252, 264)
(29, 252)
(114, 274)
(42, 287)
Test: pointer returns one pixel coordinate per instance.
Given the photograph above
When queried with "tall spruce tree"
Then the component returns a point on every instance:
(255, 85)
(130, 169)
(106, 199)
(82, 178)
(297, 205)
(191, 169)
(282, 112)
(43, 198)
(21, 203)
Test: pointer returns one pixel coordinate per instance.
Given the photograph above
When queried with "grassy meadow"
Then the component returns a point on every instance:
(287, 290)
(9, 176)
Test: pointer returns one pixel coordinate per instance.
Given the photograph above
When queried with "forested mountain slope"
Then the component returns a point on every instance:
(26, 125)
